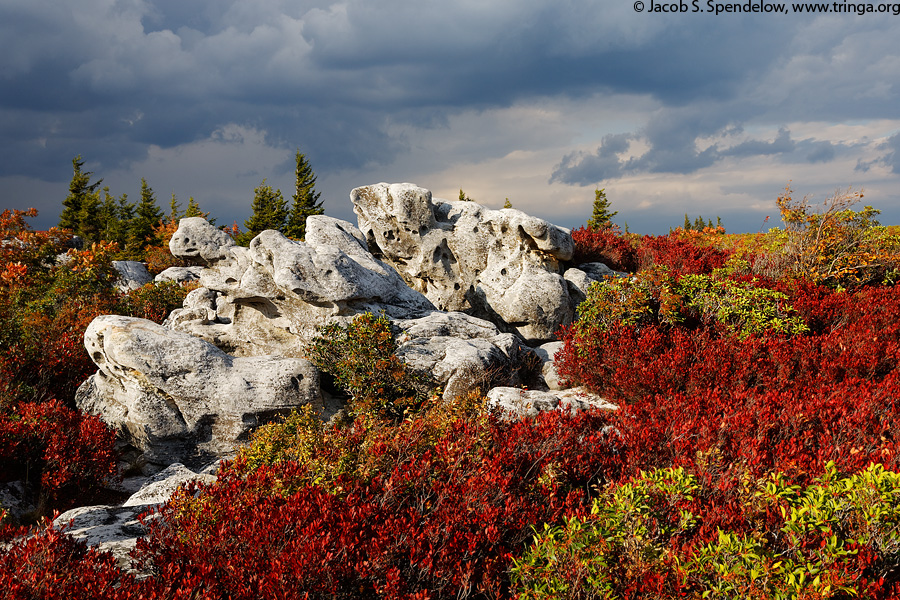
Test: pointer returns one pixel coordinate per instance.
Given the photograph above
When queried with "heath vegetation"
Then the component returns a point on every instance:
(754, 453)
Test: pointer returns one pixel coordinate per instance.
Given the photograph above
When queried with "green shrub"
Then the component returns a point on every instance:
(363, 361)
(627, 535)
(834, 538)
(655, 297)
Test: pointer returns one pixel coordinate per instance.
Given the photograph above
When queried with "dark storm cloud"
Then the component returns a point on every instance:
(108, 78)
(782, 144)
(892, 158)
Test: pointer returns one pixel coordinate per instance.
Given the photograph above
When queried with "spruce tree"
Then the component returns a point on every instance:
(114, 218)
(601, 218)
(174, 210)
(269, 212)
(147, 216)
(507, 204)
(79, 189)
(89, 217)
(305, 199)
(193, 209)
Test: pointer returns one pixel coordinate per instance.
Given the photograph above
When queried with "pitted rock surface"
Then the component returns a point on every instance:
(516, 403)
(462, 353)
(271, 297)
(502, 265)
(179, 398)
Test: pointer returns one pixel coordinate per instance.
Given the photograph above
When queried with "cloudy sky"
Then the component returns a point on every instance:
(538, 101)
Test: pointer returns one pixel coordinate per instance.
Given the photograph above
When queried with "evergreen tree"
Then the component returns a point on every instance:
(463, 197)
(269, 212)
(174, 210)
(507, 204)
(193, 209)
(305, 199)
(114, 218)
(79, 189)
(147, 216)
(601, 218)
(89, 217)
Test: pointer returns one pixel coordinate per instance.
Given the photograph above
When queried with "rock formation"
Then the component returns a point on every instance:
(132, 274)
(178, 398)
(501, 265)
(270, 298)
(232, 357)
(116, 529)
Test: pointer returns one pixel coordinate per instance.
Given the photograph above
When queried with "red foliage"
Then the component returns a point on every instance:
(68, 456)
(605, 245)
(48, 564)
(630, 253)
(444, 523)
(679, 255)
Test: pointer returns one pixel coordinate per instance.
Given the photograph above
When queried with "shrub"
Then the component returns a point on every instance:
(437, 507)
(835, 245)
(680, 255)
(64, 455)
(606, 245)
(804, 542)
(363, 361)
(49, 564)
(623, 544)
(654, 297)
(46, 304)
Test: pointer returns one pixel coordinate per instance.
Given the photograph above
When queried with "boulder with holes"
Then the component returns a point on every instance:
(501, 265)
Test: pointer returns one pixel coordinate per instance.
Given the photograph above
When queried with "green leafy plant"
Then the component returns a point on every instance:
(361, 357)
(628, 533)
(654, 296)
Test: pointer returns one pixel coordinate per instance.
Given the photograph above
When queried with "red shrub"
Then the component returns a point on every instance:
(605, 245)
(679, 255)
(65, 455)
(442, 523)
(49, 565)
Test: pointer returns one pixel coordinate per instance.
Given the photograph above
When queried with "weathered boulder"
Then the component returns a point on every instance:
(502, 265)
(462, 352)
(516, 403)
(179, 274)
(270, 298)
(179, 398)
(547, 353)
(116, 529)
(132, 274)
(197, 239)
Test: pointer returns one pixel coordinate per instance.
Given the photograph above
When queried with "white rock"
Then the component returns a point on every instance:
(179, 274)
(547, 353)
(132, 274)
(116, 529)
(463, 353)
(502, 264)
(197, 239)
(161, 486)
(515, 403)
(270, 298)
(179, 398)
